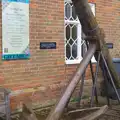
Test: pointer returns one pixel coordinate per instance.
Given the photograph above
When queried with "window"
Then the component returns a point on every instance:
(73, 41)
(72, 35)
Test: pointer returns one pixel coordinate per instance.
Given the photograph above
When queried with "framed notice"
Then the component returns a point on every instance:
(15, 29)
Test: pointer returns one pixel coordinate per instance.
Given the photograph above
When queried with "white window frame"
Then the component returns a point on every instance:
(79, 30)
(79, 58)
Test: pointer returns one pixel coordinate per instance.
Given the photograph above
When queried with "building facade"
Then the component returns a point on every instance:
(42, 78)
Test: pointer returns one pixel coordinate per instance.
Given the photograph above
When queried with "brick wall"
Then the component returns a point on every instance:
(108, 16)
(44, 76)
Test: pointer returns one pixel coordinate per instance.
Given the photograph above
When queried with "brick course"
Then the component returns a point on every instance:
(45, 75)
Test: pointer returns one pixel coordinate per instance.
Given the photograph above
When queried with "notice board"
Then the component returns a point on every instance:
(15, 29)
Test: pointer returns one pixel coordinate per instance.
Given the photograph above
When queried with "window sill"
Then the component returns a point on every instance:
(69, 62)
(73, 62)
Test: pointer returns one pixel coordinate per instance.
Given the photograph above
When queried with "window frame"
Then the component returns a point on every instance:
(79, 37)
(79, 57)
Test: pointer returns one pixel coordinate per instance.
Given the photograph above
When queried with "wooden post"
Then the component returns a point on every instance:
(90, 28)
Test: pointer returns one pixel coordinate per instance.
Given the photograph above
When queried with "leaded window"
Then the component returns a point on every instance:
(72, 34)
(73, 41)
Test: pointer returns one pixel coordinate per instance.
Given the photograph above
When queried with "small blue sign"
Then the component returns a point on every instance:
(48, 45)
(109, 45)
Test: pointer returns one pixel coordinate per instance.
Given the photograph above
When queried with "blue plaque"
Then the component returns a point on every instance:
(109, 45)
(48, 45)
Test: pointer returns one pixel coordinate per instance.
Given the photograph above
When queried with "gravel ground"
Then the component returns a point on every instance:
(113, 113)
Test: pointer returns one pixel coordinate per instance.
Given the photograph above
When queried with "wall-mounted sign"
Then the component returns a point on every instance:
(15, 29)
(48, 45)
(109, 45)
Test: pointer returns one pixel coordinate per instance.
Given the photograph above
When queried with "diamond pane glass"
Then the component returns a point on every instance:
(71, 41)
(74, 51)
(71, 58)
(68, 51)
(67, 32)
(74, 32)
(71, 25)
(67, 10)
(74, 16)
